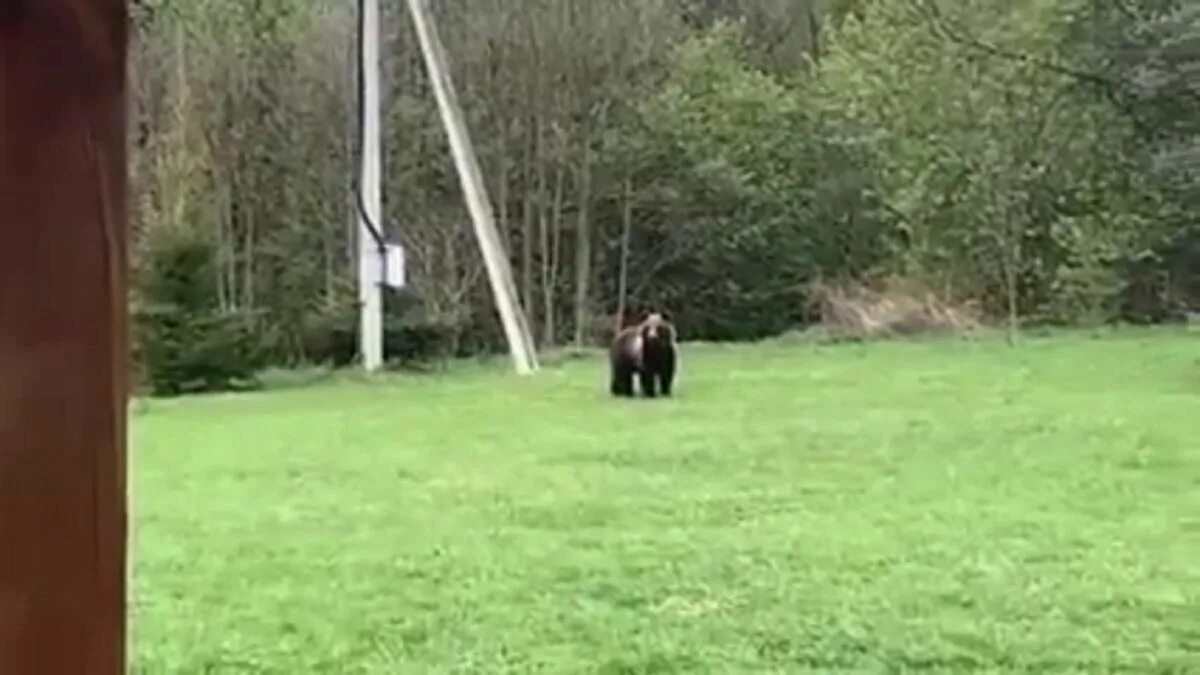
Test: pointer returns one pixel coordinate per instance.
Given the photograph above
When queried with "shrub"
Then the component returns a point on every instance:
(410, 338)
(852, 310)
(184, 341)
(183, 352)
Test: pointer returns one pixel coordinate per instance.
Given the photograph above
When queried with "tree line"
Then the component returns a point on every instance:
(712, 158)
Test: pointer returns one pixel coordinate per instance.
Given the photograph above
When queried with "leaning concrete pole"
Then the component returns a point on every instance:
(516, 326)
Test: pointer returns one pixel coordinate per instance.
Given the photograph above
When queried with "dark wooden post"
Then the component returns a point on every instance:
(62, 337)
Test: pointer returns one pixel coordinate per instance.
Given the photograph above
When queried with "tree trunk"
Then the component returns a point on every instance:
(327, 256)
(542, 224)
(552, 261)
(583, 244)
(527, 226)
(623, 270)
(1012, 256)
(814, 34)
(219, 258)
(248, 271)
(502, 192)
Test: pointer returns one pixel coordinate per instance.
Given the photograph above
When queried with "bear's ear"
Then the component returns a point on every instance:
(666, 315)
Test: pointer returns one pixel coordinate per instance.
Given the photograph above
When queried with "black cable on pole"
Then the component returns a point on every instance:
(372, 228)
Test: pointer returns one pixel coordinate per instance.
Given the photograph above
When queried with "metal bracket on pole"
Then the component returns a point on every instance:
(393, 266)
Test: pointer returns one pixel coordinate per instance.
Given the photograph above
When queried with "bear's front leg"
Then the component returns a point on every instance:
(622, 381)
(647, 380)
(667, 374)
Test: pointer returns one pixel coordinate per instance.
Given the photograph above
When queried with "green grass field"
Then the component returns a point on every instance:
(949, 506)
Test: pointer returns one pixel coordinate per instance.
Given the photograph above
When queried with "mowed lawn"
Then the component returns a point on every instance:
(947, 506)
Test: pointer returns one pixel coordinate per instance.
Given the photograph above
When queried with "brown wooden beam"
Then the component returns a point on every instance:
(62, 336)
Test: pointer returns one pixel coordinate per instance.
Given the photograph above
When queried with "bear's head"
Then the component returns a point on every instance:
(656, 329)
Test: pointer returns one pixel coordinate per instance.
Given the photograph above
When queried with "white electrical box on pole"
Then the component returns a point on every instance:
(516, 325)
(372, 250)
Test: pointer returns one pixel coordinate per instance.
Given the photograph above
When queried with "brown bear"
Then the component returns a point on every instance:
(648, 350)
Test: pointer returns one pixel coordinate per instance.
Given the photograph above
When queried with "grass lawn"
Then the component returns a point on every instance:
(949, 506)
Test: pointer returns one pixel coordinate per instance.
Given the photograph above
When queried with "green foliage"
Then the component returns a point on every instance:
(411, 338)
(1011, 180)
(1036, 157)
(954, 145)
(185, 342)
(748, 197)
(186, 351)
(947, 507)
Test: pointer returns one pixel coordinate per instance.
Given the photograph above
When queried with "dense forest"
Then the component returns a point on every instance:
(722, 159)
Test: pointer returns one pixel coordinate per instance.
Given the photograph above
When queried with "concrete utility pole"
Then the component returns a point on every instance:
(516, 325)
(370, 204)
